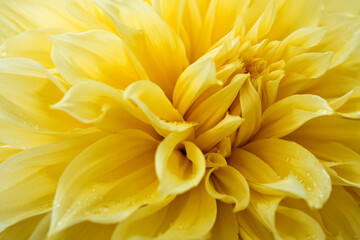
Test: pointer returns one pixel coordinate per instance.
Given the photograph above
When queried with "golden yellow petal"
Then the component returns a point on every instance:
(171, 11)
(229, 186)
(226, 225)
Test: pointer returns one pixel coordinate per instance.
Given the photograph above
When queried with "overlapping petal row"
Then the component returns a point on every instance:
(179, 119)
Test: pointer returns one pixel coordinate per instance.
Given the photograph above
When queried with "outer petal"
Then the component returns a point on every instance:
(180, 164)
(175, 221)
(154, 43)
(33, 175)
(288, 157)
(33, 44)
(7, 151)
(347, 6)
(171, 11)
(288, 114)
(105, 59)
(18, 16)
(108, 181)
(27, 91)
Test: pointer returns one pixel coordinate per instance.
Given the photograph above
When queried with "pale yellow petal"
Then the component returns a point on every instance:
(27, 91)
(189, 216)
(89, 13)
(33, 44)
(42, 228)
(105, 59)
(7, 151)
(288, 114)
(229, 186)
(348, 104)
(226, 225)
(108, 181)
(288, 157)
(180, 164)
(33, 175)
(151, 39)
(18, 16)
(347, 6)
(342, 36)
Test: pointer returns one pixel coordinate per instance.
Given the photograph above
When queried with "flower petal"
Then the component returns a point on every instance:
(33, 44)
(180, 164)
(209, 112)
(176, 220)
(105, 59)
(96, 103)
(27, 91)
(18, 16)
(229, 186)
(251, 111)
(288, 114)
(194, 81)
(288, 157)
(33, 174)
(226, 224)
(223, 129)
(108, 181)
(171, 11)
(7, 151)
(151, 39)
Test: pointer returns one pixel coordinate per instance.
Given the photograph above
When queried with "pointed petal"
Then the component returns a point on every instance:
(288, 114)
(194, 81)
(151, 39)
(175, 221)
(223, 129)
(213, 109)
(288, 157)
(180, 164)
(105, 59)
(108, 181)
(171, 11)
(251, 111)
(34, 174)
(229, 186)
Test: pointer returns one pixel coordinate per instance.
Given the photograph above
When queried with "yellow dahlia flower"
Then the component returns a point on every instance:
(179, 119)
